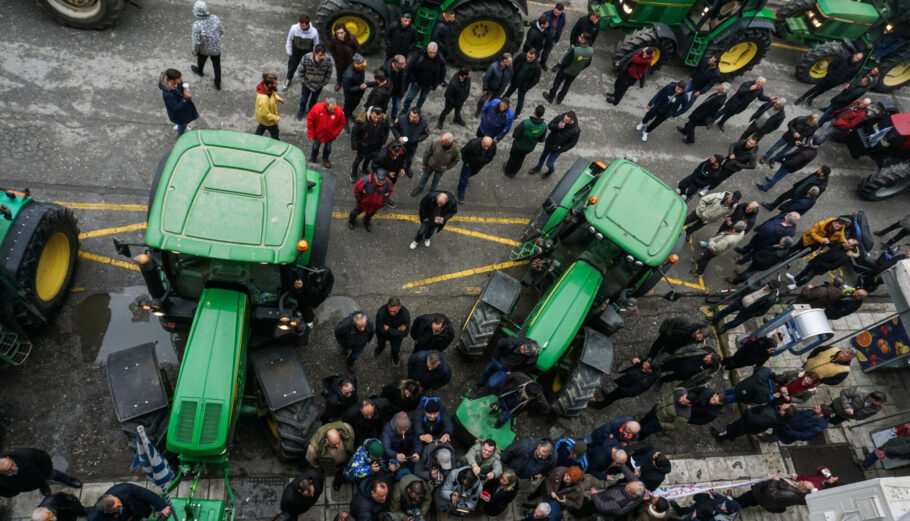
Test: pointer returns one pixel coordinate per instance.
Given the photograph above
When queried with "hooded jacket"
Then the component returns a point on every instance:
(494, 122)
(180, 110)
(367, 137)
(207, 31)
(400, 501)
(266, 106)
(725, 241)
(562, 139)
(322, 125)
(757, 388)
(528, 133)
(467, 497)
(667, 101)
(535, 39)
(424, 337)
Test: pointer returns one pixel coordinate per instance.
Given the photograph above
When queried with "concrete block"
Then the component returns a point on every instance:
(736, 468)
(835, 436)
(316, 513)
(342, 496)
(92, 491)
(775, 465)
(698, 471)
(853, 322)
(216, 489)
(755, 465)
(23, 504)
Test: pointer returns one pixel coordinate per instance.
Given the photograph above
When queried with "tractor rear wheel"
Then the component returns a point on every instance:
(791, 9)
(365, 24)
(894, 72)
(812, 66)
(888, 182)
(577, 391)
(49, 261)
(647, 37)
(483, 30)
(292, 427)
(83, 14)
(741, 52)
(478, 329)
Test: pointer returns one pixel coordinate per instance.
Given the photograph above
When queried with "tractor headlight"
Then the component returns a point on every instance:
(889, 28)
(625, 8)
(599, 235)
(814, 19)
(630, 258)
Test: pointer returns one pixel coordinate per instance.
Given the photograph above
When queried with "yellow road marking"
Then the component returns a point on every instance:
(111, 231)
(788, 46)
(455, 229)
(700, 286)
(457, 218)
(107, 260)
(105, 206)
(464, 273)
(77, 289)
(485, 236)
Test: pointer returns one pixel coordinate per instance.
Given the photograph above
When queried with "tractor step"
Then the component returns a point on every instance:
(425, 20)
(13, 350)
(697, 49)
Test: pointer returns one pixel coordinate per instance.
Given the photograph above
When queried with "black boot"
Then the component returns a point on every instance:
(367, 224)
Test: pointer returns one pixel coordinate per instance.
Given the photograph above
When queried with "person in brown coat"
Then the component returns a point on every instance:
(343, 47)
(821, 296)
(563, 485)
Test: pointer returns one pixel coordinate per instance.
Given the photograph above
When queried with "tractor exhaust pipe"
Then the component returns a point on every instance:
(149, 270)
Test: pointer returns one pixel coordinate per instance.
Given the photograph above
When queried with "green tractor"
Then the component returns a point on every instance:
(483, 29)
(604, 236)
(39, 242)
(738, 32)
(835, 28)
(230, 212)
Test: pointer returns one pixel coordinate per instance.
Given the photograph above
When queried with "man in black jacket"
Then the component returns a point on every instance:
(353, 86)
(425, 72)
(474, 156)
(846, 305)
(380, 93)
(745, 94)
(746, 212)
(414, 128)
(563, 136)
(570, 65)
(26, 469)
(393, 323)
(126, 501)
(525, 74)
(371, 501)
(768, 118)
(753, 352)
(432, 332)
(442, 31)
(340, 392)
(587, 24)
(700, 177)
(536, 38)
(353, 334)
(707, 405)
(368, 418)
(396, 70)
(794, 161)
(800, 128)
(742, 155)
(301, 494)
(436, 208)
(456, 94)
(60, 506)
(756, 420)
(704, 77)
(685, 367)
(763, 259)
(835, 256)
(675, 332)
(840, 71)
(633, 381)
(652, 466)
(495, 81)
(800, 188)
(401, 38)
(704, 114)
(848, 95)
(430, 369)
(513, 353)
(669, 102)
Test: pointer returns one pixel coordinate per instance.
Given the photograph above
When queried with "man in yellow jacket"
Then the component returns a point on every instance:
(267, 100)
(822, 233)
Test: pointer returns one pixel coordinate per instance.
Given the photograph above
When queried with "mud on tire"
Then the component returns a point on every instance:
(293, 426)
(888, 182)
(646, 37)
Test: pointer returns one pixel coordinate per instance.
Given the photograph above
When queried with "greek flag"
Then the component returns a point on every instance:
(147, 457)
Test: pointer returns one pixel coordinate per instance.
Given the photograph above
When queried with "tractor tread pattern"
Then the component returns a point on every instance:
(108, 15)
(498, 10)
(761, 37)
(296, 424)
(814, 55)
(885, 178)
(793, 8)
(577, 391)
(886, 65)
(330, 10)
(478, 331)
(646, 37)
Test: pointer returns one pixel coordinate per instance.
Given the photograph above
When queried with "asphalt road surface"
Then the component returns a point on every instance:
(82, 122)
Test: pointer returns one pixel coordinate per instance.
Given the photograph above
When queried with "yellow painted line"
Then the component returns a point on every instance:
(76, 289)
(788, 46)
(455, 229)
(107, 260)
(485, 236)
(700, 286)
(111, 231)
(105, 206)
(457, 218)
(464, 273)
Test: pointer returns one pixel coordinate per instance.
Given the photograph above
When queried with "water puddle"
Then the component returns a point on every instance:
(110, 322)
(335, 308)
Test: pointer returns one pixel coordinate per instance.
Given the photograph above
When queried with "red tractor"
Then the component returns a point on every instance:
(884, 136)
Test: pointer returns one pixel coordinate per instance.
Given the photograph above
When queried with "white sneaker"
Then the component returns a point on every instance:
(640, 126)
(426, 243)
(791, 277)
(644, 136)
(703, 192)
(684, 197)
(413, 244)
(791, 287)
(287, 83)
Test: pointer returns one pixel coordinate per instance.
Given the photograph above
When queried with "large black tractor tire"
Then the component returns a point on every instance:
(85, 14)
(739, 53)
(483, 30)
(46, 269)
(646, 37)
(812, 66)
(479, 328)
(292, 427)
(894, 72)
(791, 9)
(577, 391)
(888, 182)
(364, 23)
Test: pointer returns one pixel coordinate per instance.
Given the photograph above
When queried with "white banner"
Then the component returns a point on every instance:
(690, 490)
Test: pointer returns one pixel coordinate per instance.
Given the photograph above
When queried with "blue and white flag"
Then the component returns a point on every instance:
(155, 467)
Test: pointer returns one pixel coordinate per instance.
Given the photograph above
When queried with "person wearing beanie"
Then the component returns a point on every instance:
(571, 452)
(431, 422)
(768, 118)
(369, 459)
(353, 85)
(564, 485)
(399, 440)
(711, 208)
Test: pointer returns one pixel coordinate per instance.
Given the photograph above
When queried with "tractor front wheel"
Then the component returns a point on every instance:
(741, 52)
(577, 391)
(812, 66)
(478, 329)
(888, 182)
(83, 14)
(364, 23)
(665, 48)
(484, 29)
(791, 9)
(292, 427)
(894, 72)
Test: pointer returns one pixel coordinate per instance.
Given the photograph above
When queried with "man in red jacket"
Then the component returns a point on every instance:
(632, 68)
(371, 191)
(847, 117)
(323, 125)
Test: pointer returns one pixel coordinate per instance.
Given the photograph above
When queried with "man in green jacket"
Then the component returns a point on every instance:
(576, 59)
(672, 411)
(330, 448)
(525, 137)
(410, 495)
(440, 157)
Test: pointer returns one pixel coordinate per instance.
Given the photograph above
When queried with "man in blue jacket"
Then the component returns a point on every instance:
(178, 100)
(669, 102)
(557, 23)
(808, 424)
(496, 119)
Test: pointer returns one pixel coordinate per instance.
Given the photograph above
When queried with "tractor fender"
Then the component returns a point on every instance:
(380, 7)
(521, 5)
(500, 292)
(280, 375)
(664, 31)
(597, 351)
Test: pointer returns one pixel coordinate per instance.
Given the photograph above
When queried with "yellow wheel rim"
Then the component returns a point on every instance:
(557, 383)
(356, 26)
(656, 56)
(898, 75)
(482, 39)
(53, 265)
(820, 69)
(737, 57)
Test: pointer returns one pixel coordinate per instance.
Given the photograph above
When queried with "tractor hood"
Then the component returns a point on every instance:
(232, 196)
(848, 11)
(637, 211)
(561, 312)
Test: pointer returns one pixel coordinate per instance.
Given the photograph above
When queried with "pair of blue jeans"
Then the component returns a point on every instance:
(416, 91)
(778, 144)
(426, 230)
(181, 129)
(425, 176)
(780, 174)
(467, 172)
(493, 375)
(308, 98)
(325, 151)
(550, 156)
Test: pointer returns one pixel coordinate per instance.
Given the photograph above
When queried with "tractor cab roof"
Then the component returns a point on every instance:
(849, 11)
(637, 211)
(232, 196)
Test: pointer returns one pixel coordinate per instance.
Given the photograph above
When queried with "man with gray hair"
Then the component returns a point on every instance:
(530, 458)
(618, 499)
(60, 506)
(769, 233)
(440, 157)
(703, 115)
(747, 92)
(126, 501)
(425, 72)
(718, 245)
(544, 511)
